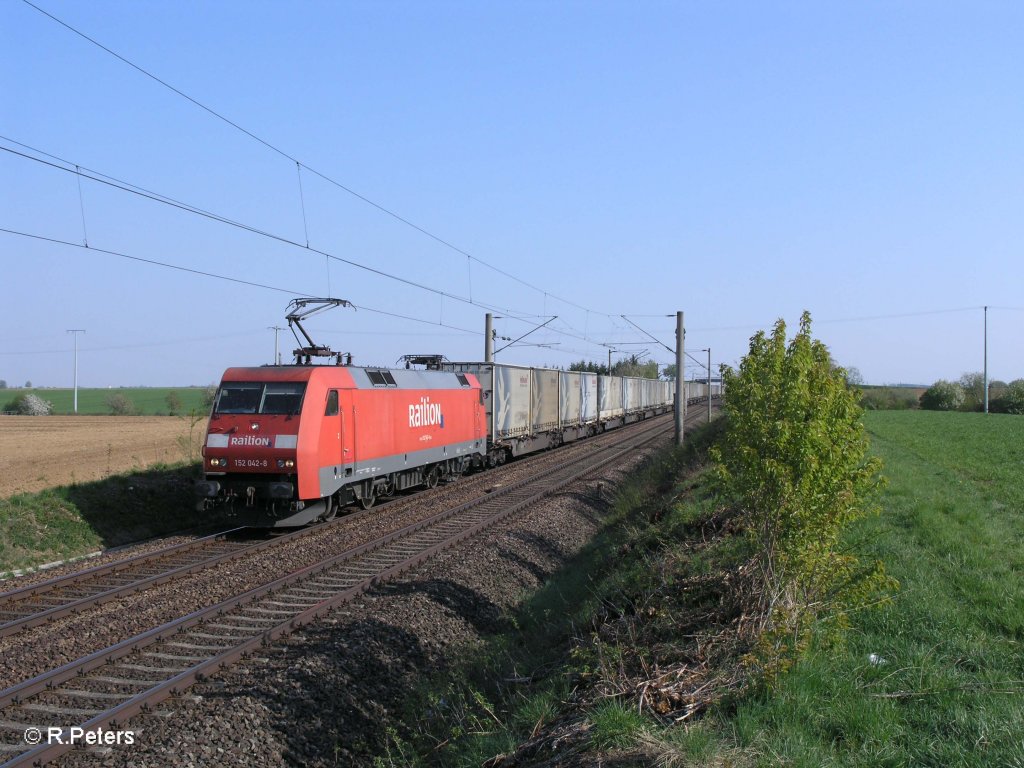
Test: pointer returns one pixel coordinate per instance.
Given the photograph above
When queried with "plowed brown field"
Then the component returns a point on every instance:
(38, 452)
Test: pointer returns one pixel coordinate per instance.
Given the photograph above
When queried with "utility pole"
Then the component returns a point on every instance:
(75, 332)
(277, 353)
(488, 338)
(709, 385)
(680, 376)
(986, 359)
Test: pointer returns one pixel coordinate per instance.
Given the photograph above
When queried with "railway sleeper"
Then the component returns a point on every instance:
(151, 668)
(47, 709)
(76, 694)
(123, 681)
(197, 647)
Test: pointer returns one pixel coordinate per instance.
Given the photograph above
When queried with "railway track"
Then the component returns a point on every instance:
(104, 689)
(47, 601)
(39, 603)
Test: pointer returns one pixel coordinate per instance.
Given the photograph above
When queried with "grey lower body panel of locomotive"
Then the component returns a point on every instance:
(272, 502)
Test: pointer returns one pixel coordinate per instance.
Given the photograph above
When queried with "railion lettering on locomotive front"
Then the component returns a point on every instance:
(249, 440)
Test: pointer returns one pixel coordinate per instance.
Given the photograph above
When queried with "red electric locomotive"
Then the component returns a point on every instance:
(288, 445)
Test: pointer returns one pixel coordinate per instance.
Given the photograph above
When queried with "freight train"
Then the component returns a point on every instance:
(290, 445)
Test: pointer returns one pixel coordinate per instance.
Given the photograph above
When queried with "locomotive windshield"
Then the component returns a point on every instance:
(271, 397)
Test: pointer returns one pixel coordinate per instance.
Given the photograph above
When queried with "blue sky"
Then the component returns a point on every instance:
(741, 162)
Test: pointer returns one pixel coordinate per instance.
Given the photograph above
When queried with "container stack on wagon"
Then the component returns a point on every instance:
(532, 409)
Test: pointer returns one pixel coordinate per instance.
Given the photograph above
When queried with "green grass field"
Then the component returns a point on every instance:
(148, 401)
(950, 690)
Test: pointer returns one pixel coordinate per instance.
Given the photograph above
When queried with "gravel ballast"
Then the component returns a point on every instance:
(330, 694)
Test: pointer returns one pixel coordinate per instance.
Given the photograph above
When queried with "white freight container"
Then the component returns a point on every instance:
(511, 401)
(609, 392)
(633, 394)
(544, 399)
(588, 394)
(570, 397)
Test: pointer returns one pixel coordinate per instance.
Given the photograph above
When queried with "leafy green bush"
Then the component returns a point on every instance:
(943, 396)
(173, 401)
(888, 399)
(973, 385)
(794, 459)
(1011, 400)
(120, 405)
(29, 405)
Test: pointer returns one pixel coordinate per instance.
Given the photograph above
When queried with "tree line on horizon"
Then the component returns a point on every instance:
(966, 394)
(630, 366)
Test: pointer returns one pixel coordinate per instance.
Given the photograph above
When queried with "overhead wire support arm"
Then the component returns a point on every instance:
(645, 333)
(527, 334)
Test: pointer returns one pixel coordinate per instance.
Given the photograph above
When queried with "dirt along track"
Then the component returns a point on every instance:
(38, 452)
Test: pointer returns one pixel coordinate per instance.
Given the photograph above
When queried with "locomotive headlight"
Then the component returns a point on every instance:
(283, 463)
(218, 462)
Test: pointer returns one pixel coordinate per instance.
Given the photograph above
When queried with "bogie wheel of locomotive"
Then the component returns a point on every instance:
(330, 509)
(432, 477)
(368, 501)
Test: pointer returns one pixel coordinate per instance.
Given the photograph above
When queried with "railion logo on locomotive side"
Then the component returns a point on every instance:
(425, 414)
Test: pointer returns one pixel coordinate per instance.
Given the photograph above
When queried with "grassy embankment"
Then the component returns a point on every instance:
(936, 677)
(148, 401)
(73, 520)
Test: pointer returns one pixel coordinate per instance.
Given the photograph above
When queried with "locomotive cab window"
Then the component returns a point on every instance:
(332, 403)
(272, 397)
(282, 398)
(237, 397)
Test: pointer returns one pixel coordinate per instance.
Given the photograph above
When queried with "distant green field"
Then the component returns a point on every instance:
(937, 677)
(148, 401)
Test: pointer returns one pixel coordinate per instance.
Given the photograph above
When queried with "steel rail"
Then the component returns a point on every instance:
(9, 601)
(97, 582)
(61, 582)
(309, 599)
(100, 582)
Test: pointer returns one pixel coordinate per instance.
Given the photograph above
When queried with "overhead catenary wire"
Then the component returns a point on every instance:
(62, 164)
(153, 262)
(213, 275)
(196, 210)
(294, 159)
